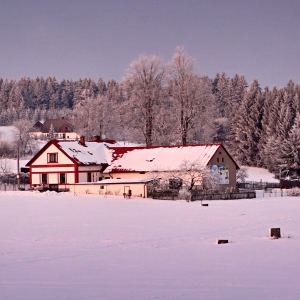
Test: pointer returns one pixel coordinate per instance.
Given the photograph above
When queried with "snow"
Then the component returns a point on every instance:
(161, 158)
(61, 246)
(7, 133)
(260, 174)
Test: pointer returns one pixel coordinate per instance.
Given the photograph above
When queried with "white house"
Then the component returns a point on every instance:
(67, 162)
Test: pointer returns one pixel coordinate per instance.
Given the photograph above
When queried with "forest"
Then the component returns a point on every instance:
(169, 103)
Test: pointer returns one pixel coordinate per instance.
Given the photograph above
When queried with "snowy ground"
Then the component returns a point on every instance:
(61, 246)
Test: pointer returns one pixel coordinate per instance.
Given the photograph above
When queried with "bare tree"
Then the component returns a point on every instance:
(242, 174)
(189, 176)
(144, 85)
(22, 136)
(5, 166)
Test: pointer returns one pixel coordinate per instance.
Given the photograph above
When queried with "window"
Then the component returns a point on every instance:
(175, 183)
(52, 157)
(64, 135)
(217, 159)
(101, 187)
(222, 159)
(44, 179)
(89, 177)
(62, 178)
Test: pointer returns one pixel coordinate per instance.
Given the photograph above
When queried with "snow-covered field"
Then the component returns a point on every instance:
(260, 174)
(61, 246)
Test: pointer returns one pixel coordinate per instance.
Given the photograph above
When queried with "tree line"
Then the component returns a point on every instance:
(164, 103)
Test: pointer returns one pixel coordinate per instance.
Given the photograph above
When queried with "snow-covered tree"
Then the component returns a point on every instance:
(246, 127)
(191, 96)
(51, 134)
(144, 86)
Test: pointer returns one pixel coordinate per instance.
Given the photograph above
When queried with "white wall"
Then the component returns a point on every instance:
(138, 189)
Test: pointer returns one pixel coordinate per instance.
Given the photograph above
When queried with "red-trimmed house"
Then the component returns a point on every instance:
(60, 163)
(88, 163)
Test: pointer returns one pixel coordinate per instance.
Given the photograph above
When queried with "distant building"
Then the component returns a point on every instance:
(63, 129)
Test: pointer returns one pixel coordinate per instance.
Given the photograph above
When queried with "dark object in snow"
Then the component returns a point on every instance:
(222, 241)
(275, 233)
(204, 204)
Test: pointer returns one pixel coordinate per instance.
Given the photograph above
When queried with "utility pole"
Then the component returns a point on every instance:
(18, 164)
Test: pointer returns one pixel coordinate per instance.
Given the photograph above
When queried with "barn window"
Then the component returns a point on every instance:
(52, 157)
(217, 159)
(222, 159)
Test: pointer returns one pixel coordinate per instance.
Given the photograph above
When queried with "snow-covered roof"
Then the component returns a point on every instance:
(159, 158)
(91, 153)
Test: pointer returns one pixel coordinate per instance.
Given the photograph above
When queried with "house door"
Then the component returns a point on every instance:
(126, 189)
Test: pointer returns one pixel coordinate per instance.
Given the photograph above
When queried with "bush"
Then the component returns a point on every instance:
(293, 192)
(184, 195)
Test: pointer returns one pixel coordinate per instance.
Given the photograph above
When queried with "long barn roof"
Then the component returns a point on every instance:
(145, 159)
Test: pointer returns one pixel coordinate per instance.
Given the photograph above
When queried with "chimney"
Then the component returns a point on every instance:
(82, 140)
(97, 138)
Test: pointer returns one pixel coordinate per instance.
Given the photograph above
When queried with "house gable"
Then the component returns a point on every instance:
(43, 158)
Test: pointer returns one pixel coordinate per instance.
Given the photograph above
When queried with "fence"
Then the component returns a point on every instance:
(167, 195)
(205, 196)
(225, 196)
(13, 187)
(253, 185)
(289, 184)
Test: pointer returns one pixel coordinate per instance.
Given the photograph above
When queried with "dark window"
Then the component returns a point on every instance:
(64, 135)
(62, 178)
(101, 187)
(52, 157)
(222, 159)
(218, 159)
(220, 152)
(89, 177)
(44, 179)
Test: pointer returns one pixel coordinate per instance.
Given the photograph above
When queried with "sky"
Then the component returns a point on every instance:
(98, 38)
